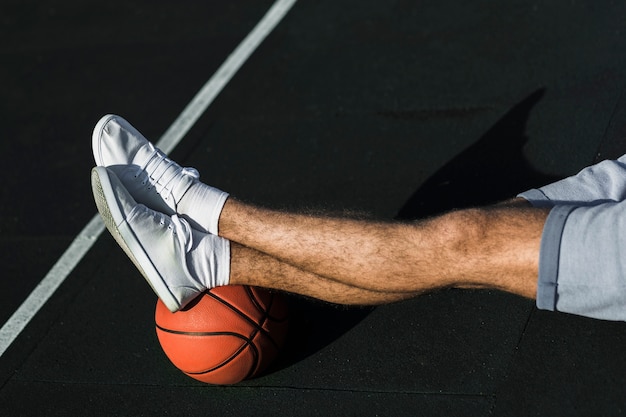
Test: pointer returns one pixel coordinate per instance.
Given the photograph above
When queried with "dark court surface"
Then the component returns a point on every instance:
(399, 109)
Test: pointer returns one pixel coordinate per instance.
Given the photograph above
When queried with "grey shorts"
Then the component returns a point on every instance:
(582, 266)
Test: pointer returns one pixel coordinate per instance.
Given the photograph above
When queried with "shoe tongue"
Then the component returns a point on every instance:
(183, 232)
(165, 173)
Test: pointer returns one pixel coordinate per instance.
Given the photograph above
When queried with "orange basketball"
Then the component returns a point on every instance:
(229, 334)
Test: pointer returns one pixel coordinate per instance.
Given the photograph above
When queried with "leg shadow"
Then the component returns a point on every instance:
(493, 169)
(313, 325)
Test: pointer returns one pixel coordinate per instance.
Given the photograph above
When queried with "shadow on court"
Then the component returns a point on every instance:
(493, 169)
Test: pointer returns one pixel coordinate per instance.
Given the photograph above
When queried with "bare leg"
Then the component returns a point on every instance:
(495, 247)
(250, 267)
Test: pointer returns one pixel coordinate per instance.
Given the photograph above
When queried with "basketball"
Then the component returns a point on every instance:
(228, 334)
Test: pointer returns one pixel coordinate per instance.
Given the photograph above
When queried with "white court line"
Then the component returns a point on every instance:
(87, 237)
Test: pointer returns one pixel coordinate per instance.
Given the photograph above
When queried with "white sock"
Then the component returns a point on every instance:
(209, 259)
(201, 206)
(605, 181)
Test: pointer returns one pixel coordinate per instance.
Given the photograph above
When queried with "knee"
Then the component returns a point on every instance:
(463, 229)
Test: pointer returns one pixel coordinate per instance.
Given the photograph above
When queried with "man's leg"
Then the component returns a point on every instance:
(574, 251)
(250, 267)
(495, 247)
(179, 262)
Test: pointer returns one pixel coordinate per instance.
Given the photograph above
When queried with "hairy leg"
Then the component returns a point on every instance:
(250, 267)
(495, 247)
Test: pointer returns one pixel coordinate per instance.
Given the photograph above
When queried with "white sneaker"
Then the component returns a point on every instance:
(151, 177)
(178, 262)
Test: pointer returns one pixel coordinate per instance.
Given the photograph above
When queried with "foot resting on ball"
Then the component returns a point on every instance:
(152, 178)
(178, 262)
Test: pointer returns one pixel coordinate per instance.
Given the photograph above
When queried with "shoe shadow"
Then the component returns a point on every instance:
(491, 170)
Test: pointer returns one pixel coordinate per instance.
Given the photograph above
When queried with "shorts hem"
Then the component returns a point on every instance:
(547, 283)
(536, 198)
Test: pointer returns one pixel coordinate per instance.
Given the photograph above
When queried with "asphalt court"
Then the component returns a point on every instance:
(397, 109)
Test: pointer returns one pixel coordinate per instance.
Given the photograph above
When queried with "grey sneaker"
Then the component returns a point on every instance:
(178, 262)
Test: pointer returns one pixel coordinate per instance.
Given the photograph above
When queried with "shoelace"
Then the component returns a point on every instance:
(164, 173)
(180, 228)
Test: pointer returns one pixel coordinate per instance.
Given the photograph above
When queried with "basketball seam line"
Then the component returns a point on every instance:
(257, 326)
(264, 312)
(259, 307)
(245, 316)
(248, 342)
(221, 333)
(229, 360)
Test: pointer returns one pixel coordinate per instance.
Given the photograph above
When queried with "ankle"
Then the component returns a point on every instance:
(201, 206)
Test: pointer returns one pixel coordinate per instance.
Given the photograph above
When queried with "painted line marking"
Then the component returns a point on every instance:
(168, 141)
